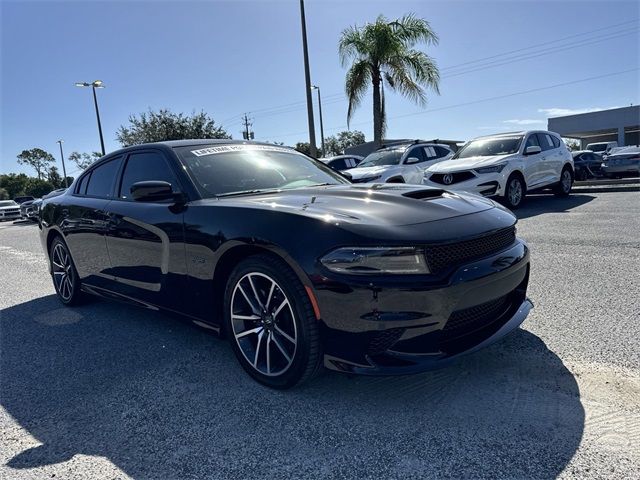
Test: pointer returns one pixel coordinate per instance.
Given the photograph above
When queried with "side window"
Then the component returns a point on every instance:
(339, 164)
(532, 141)
(102, 178)
(145, 166)
(441, 151)
(81, 189)
(417, 152)
(556, 142)
(545, 141)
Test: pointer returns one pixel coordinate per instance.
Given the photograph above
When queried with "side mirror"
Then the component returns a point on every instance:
(532, 150)
(152, 191)
(346, 175)
(412, 160)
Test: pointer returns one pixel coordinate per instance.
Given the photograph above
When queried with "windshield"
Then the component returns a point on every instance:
(8, 203)
(597, 147)
(383, 157)
(235, 169)
(488, 147)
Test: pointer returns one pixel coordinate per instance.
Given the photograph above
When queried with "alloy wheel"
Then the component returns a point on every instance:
(515, 191)
(263, 324)
(62, 272)
(566, 181)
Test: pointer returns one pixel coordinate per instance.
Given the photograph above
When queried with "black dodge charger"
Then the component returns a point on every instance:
(295, 265)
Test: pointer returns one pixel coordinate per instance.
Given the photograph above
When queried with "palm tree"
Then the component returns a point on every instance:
(383, 52)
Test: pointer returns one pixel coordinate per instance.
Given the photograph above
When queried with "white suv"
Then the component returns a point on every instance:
(507, 165)
(403, 163)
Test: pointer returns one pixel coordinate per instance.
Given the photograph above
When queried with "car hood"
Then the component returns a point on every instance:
(363, 172)
(457, 164)
(376, 204)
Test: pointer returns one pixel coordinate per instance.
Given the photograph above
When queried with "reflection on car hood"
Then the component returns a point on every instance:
(363, 172)
(377, 204)
(458, 164)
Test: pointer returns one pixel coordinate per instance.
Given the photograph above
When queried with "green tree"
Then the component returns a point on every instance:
(165, 125)
(4, 195)
(14, 183)
(54, 177)
(83, 160)
(37, 187)
(572, 145)
(303, 147)
(382, 52)
(336, 144)
(36, 158)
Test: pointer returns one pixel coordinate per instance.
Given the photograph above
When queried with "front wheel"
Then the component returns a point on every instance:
(514, 192)
(270, 323)
(563, 188)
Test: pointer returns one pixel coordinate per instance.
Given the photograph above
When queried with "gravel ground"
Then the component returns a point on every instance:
(110, 391)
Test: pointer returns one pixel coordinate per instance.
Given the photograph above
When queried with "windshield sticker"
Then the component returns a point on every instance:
(238, 148)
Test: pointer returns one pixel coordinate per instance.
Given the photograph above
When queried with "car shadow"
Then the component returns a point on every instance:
(536, 204)
(161, 398)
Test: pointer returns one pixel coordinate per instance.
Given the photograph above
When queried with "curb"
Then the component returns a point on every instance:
(602, 182)
(604, 189)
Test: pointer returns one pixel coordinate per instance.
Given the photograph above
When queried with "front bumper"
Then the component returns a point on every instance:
(401, 326)
(486, 184)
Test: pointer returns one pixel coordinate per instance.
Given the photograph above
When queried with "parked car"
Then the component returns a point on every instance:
(404, 163)
(9, 210)
(22, 199)
(342, 162)
(507, 166)
(296, 265)
(625, 163)
(603, 148)
(587, 164)
(29, 209)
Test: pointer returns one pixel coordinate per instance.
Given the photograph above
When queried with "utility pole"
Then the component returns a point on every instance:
(64, 170)
(95, 84)
(314, 87)
(307, 78)
(247, 134)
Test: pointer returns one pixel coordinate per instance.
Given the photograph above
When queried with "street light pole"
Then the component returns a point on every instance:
(64, 170)
(95, 84)
(307, 78)
(324, 152)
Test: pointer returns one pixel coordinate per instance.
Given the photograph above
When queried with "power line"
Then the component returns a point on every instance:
(482, 100)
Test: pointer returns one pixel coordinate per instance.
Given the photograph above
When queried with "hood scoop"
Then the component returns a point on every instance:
(424, 193)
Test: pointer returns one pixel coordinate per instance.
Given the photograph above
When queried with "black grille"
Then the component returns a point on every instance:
(382, 341)
(456, 177)
(468, 320)
(443, 256)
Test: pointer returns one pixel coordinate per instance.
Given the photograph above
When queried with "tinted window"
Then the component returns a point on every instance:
(338, 164)
(146, 166)
(556, 142)
(532, 141)
(545, 141)
(82, 184)
(417, 152)
(441, 151)
(102, 179)
(382, 157)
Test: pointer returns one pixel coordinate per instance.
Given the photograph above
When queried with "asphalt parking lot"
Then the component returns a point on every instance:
(109, 391)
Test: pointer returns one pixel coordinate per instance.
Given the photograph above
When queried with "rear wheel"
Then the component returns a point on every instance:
(514, 191)
(64, 273)
(563, 188)
(270, 323)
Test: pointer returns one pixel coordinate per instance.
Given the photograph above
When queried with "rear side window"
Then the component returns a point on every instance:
(82, 185)
(441, 151)
(545, 141)
(100, 183)
(556, 142)
(146, 166)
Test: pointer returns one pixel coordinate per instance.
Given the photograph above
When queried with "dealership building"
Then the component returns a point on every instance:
(620, 125)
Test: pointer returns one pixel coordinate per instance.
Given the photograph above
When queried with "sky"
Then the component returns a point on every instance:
(504, 66)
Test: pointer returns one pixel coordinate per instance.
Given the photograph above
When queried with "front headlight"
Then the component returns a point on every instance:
(376, 261)
(492, 169)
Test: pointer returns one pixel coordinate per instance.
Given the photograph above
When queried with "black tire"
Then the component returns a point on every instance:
(291, 352)
(64, 274)
(515, 191)
(563, 187)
